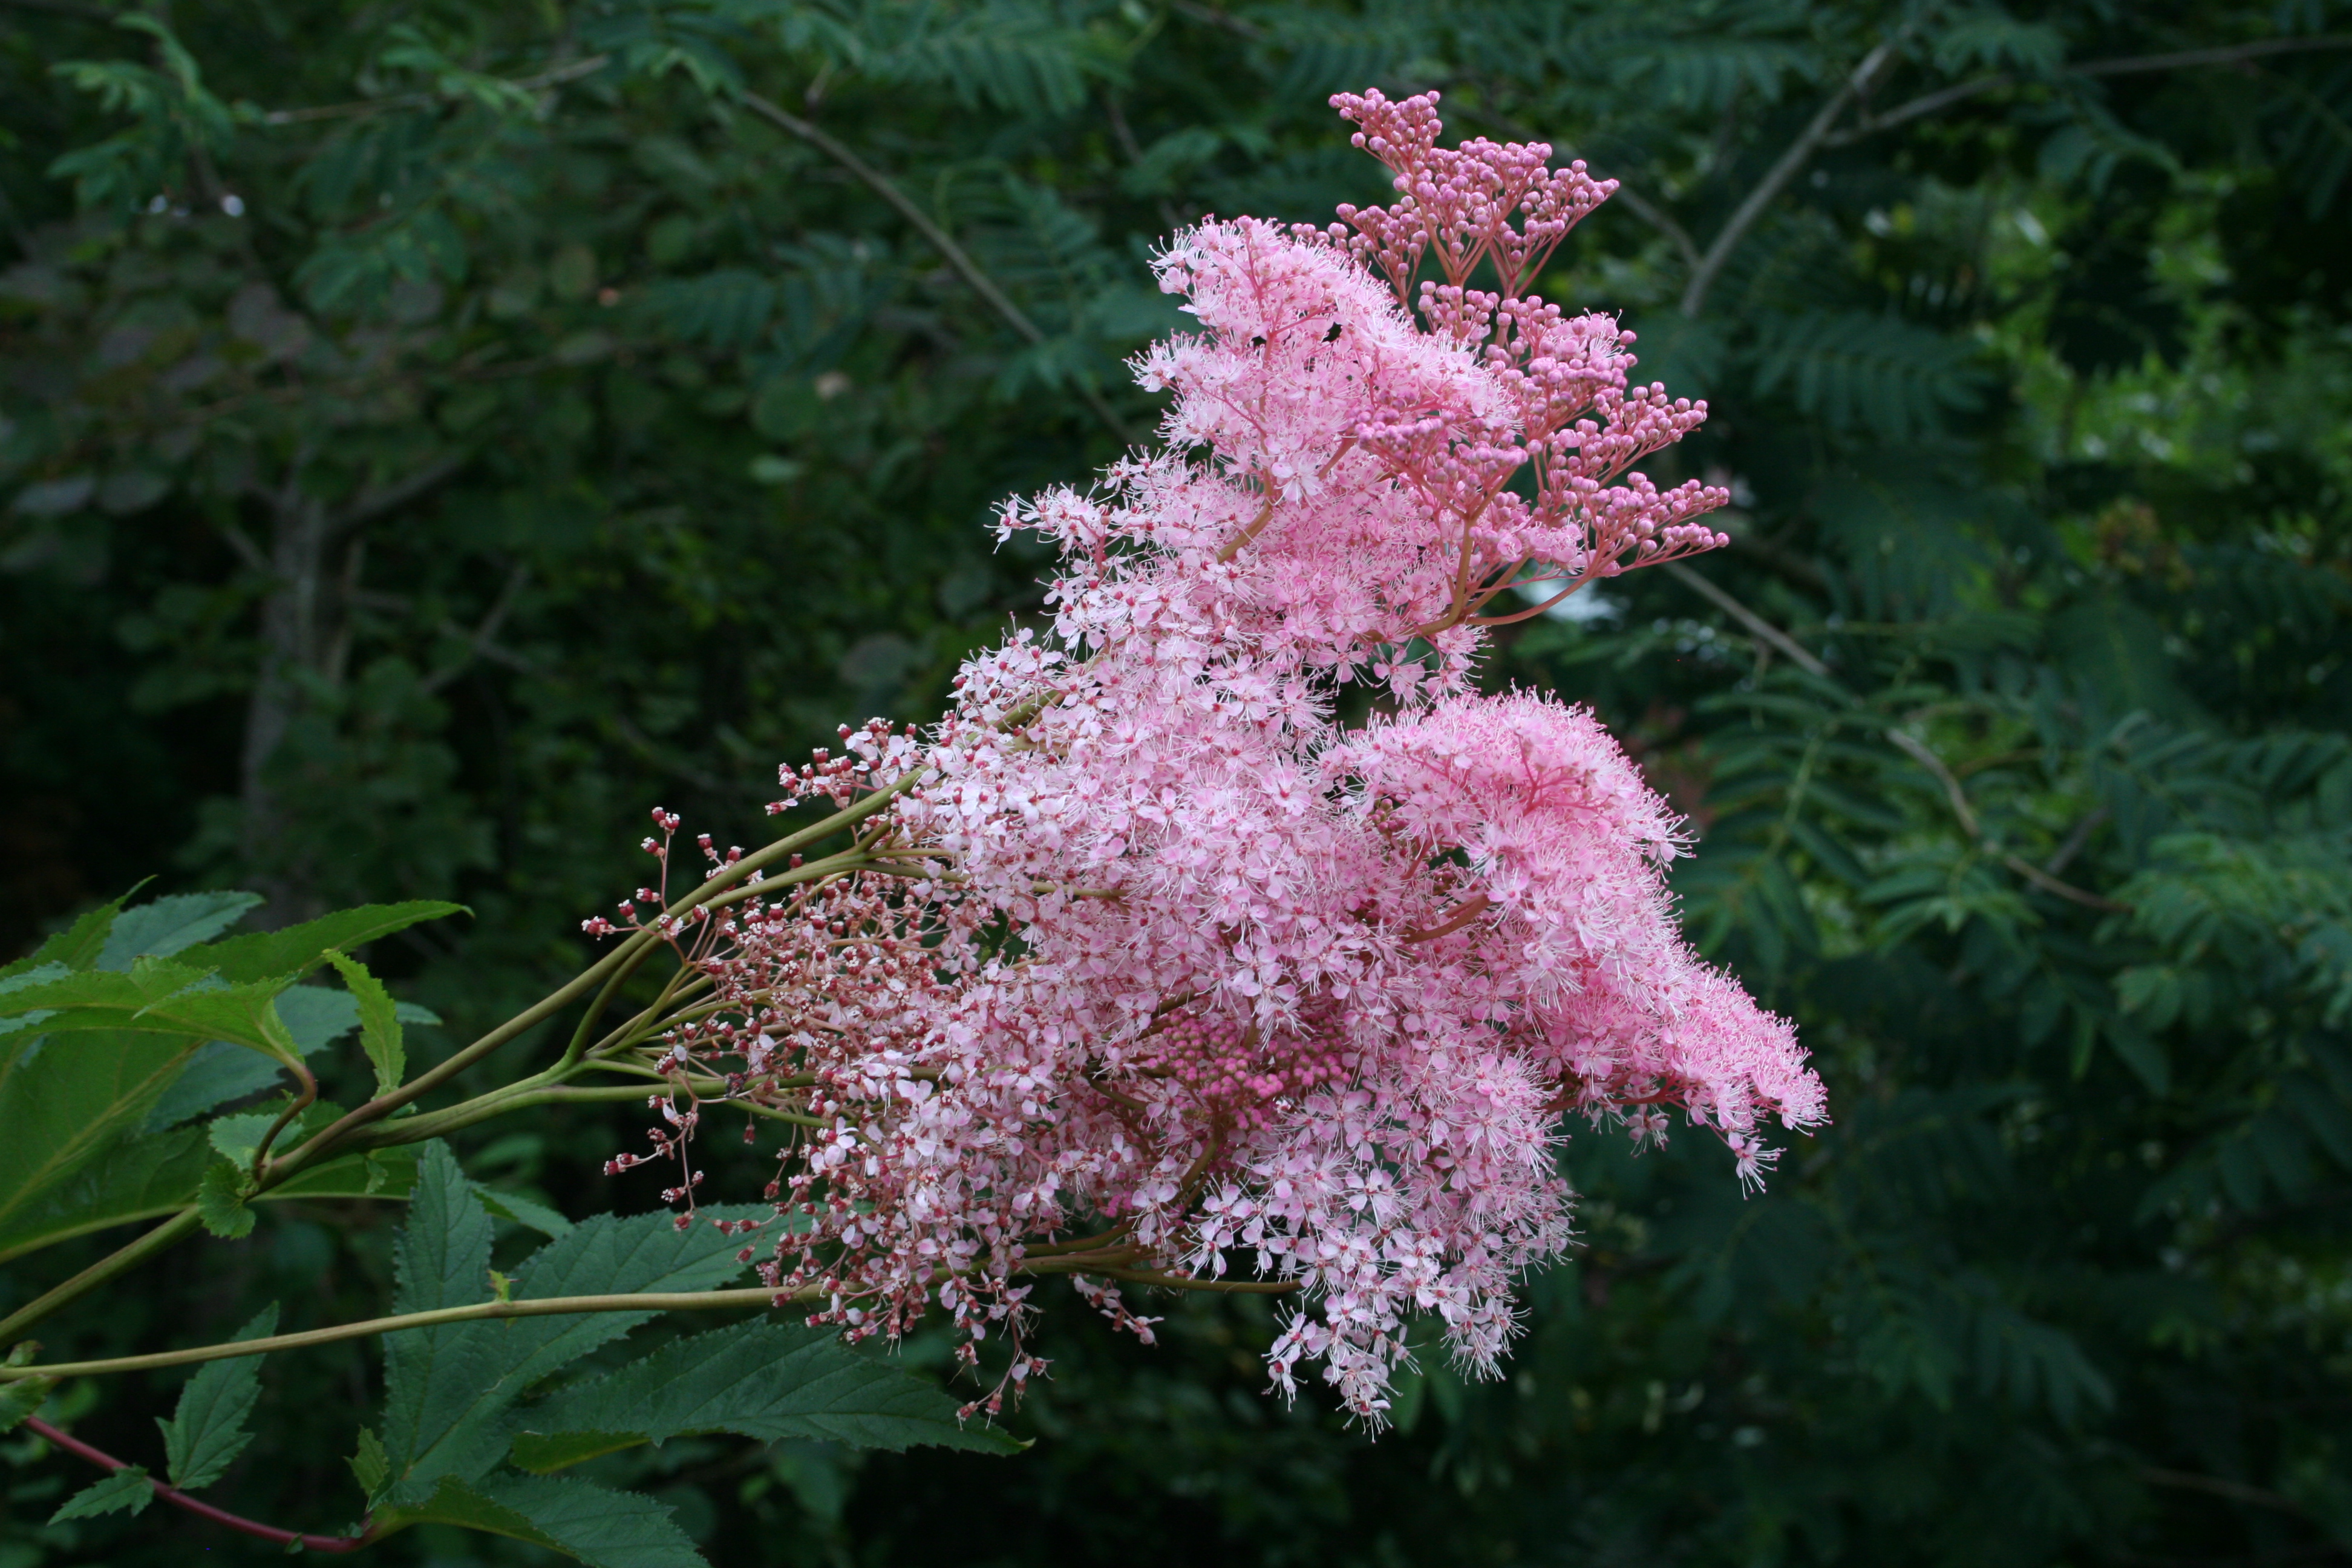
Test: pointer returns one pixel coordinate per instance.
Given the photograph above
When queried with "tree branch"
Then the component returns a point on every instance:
(480, 640)
(178, 1498)
(955, 256)
(1910, 745)
(378, 499)
(2123, 65)
(1784, 169)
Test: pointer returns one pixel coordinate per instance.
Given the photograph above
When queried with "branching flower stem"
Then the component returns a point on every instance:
(602, 979)
(547, 1306)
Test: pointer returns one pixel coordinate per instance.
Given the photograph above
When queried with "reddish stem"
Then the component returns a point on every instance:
(219, 1516)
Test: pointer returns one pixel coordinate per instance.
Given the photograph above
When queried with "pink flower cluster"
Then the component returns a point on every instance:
(1155, 972)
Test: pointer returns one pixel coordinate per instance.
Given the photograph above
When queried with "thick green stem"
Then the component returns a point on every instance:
(551, 1306)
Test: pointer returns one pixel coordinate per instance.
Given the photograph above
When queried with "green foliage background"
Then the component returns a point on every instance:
(436, 432)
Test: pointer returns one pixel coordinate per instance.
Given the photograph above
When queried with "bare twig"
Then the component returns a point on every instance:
(484, 636)
(2074, 842)
(2124, 65)
(1910, 745)
(178, 1498)
(957, 258)
(1784, 169)
(546, 78)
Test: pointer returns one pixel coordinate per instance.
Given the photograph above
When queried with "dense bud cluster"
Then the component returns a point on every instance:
(1151, 971)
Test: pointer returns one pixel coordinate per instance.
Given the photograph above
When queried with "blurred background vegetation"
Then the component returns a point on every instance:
(432, 432)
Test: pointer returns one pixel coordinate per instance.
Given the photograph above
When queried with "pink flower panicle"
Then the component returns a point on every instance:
(1153, 973)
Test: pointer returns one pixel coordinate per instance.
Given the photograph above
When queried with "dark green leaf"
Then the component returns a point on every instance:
(206, 1431)
(768, 1381)
(127, 1490)
(603, 1529)
(446, 1409)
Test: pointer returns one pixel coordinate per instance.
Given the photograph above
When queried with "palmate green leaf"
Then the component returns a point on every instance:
(587, 1523)
(298, 950)
(128, 1179)
(127, 1490)
(379, 1022)
(206, 1431)
(768, 1381)
(161, 995)
(164, 926)
(76, 947)
(221, 1072)
(66, 1099)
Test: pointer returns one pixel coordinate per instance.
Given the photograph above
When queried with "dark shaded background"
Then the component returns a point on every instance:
(437, 432)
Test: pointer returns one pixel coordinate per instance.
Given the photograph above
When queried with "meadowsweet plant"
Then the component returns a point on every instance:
(1222, 935)
(1152, 970)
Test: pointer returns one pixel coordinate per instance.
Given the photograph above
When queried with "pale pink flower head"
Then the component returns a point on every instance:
(1154, 973)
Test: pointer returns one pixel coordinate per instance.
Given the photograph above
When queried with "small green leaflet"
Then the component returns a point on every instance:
(22, 1397)
(768, 1381)
(220, 1202)
(603, 1529)
(127, 1489)
(379, 1022)
(206, 1431)
(369, 1464)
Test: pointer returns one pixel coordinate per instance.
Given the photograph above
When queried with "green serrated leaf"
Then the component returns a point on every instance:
(206, 1431)
(368, 1465)
(436, 1380)
(768, 1381)
(127, 1490)
(21, 1398)
(603, 1529)
(296, 951)
(379, 1022)
(220, 1202)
